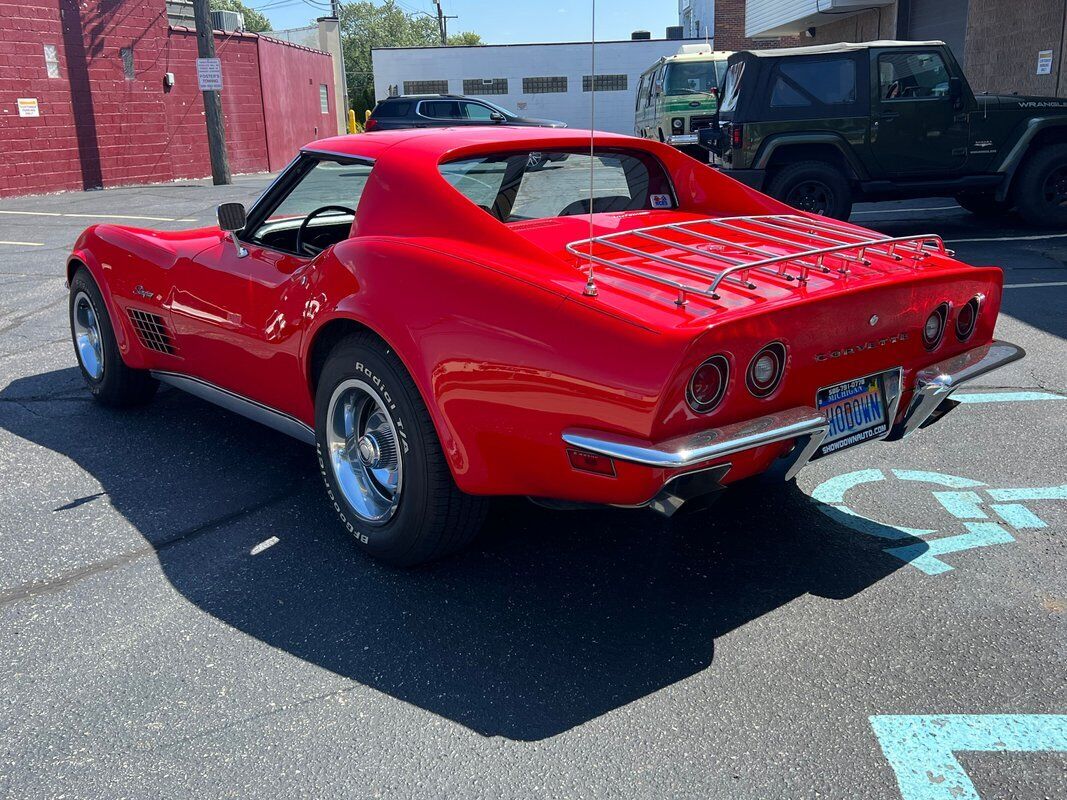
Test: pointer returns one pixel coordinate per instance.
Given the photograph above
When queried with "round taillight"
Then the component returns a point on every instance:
(765, 369)
(967, 319)
(934, 327)
(707, 387)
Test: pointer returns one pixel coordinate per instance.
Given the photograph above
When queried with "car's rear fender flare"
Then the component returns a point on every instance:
(82, 256)
(783, 142)
(1036, 131)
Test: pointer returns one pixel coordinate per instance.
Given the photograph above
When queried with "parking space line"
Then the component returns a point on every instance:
(1006, 397)
(1010, 238)
(1034, 285)
(25, 244)
(906, 210)
(96, 216)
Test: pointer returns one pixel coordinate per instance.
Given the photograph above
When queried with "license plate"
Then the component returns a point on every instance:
(855, 411)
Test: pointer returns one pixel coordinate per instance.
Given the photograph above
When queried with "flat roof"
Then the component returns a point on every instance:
(837, 47)
(540, 44)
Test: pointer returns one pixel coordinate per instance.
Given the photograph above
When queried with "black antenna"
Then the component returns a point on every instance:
(590, 280)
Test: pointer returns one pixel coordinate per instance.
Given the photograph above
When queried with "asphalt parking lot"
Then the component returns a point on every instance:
(180, 615)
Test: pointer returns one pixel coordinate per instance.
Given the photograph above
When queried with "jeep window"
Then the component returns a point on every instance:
(440, 109)
(829, 82)
(732, 88)
(524, 186)
(911, 76)
(693, 77)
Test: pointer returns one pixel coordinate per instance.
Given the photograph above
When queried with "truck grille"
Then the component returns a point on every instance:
(152, 332)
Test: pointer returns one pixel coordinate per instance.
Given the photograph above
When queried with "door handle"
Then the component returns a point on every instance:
(889, 116)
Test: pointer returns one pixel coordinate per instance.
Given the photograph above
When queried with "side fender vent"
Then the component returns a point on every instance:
(152, 332)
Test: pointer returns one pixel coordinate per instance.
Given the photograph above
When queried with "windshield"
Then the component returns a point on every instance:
(556, 183)
(693, 77)
(495, 107)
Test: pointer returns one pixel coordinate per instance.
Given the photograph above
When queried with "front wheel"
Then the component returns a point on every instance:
(1041, 188)
(110, 381)
(379, 455)
(815, 187)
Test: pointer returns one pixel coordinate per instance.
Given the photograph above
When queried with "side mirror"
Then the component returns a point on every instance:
(232, 218)
(496, 116)
(714, 92)
(955, 91)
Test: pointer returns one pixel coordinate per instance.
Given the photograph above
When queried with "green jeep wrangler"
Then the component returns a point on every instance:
(821, 127)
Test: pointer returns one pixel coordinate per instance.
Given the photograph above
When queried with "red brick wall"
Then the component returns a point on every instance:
(97, 128)
(730, 29)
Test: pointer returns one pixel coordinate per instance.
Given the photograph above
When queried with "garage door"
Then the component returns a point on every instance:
(938, 19)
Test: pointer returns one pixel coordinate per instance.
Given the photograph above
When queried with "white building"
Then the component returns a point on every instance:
(534, 80)
(697, 18)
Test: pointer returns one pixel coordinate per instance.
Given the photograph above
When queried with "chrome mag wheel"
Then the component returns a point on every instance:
(87, 336)
(364, 451)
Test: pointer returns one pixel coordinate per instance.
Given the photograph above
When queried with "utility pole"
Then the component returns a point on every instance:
(442, 22)
(216, 133)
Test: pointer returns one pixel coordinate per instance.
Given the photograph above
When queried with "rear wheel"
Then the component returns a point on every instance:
(385, 473)
(815, 187)
(1041, 188)
(110, 381)
(983, 204)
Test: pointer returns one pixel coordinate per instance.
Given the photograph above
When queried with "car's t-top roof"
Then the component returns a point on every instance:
(436, 142)
(836, 47)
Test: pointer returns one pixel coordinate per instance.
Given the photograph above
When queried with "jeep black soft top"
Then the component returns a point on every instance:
(821, 126)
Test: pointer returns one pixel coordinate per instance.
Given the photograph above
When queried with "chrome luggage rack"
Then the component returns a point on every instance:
(803, 245)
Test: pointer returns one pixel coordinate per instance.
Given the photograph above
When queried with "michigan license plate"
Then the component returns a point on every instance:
(855, 411)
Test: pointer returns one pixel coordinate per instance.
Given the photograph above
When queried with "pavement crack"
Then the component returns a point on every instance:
(60, 582)
(20, 318)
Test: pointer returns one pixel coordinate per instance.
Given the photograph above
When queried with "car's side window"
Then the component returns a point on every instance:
(826, 82)
(642, 92)
(477, 111)
(312, 204)
(912, 76)
(440, 109)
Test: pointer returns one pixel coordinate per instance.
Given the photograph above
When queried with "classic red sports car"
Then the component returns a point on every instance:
(445, 317)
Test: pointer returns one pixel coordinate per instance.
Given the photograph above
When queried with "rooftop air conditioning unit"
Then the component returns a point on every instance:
(227, 21)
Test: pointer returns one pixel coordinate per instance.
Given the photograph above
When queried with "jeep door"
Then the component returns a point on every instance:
(915, 127)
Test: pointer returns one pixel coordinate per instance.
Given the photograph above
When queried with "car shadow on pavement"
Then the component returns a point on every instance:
(552, 620)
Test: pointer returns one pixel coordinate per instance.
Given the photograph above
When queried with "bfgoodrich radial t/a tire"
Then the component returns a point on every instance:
(813, 186)
(1041, 188)
(385, 474)
(111, 382)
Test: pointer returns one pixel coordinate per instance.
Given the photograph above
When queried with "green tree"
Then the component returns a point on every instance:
(365, 25)
(465, 39)
(254, 21)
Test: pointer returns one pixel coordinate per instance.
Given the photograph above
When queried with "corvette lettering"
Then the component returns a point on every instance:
(859, 348)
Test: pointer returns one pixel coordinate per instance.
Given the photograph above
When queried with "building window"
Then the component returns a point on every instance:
(605, 83)
(485, 86)
(425, 87)
(51, 60)
(557, 83)
(126, 54)
(324, 98)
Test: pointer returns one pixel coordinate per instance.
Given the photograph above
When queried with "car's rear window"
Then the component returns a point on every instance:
(556, 183)
(388, 110)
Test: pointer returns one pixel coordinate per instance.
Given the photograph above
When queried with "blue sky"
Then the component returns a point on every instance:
(507, 21)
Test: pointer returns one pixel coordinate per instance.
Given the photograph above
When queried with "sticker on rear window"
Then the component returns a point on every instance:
(661, 201)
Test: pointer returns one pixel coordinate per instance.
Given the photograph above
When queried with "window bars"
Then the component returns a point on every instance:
(729, 251)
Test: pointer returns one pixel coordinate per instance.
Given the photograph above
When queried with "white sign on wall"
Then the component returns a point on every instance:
(28, 107)
(209, 74)
(1044, 62)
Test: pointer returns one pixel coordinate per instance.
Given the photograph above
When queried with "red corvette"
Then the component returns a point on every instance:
(445, 318)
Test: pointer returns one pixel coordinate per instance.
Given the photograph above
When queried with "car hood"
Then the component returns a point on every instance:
(1017, 102)
(538, 123)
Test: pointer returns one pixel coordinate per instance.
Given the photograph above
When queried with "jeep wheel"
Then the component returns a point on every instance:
(379, 455)
(110, 381)
(1041, 188)
(983, 204)
(815, 187)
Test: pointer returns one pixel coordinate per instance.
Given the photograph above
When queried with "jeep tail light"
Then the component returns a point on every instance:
(371, 124)
(765, 370)
(967, 318)
(707, 386)
(584, 461)
(934, 327)
(737, 136)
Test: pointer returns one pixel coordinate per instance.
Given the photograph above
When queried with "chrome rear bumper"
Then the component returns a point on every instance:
(804, 424)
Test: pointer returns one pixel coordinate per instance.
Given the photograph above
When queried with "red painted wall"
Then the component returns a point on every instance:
(99, 128)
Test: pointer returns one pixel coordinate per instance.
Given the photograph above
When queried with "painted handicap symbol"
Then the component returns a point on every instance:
(986, 514)
(921, 748)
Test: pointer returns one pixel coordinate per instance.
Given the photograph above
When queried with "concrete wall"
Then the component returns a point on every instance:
(100, 127)
(862, 27)
(614, 110)
(1003, 41)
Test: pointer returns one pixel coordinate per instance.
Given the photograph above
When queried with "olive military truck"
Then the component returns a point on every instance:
(821, 127)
